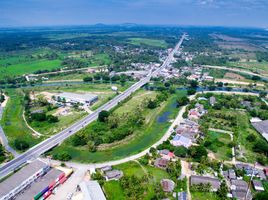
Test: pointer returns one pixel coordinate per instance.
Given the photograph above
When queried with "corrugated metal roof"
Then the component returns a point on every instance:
(92, 190)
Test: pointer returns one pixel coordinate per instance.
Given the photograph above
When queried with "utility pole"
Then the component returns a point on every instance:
(252, 174)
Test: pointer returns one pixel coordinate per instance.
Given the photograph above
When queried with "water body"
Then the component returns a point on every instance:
(165, 116)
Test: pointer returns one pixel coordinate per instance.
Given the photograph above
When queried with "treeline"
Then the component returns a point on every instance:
(210, 60)
(262, 56)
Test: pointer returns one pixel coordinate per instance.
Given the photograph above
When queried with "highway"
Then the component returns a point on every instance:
(51, 142)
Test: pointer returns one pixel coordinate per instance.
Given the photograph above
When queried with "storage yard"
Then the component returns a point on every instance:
(37, 180)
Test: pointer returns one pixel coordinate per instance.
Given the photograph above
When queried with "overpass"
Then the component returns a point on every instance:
(53, 141)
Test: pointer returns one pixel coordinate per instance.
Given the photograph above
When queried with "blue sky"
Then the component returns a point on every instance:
(180, 12)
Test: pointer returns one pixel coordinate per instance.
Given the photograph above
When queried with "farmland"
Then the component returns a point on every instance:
(149, 42)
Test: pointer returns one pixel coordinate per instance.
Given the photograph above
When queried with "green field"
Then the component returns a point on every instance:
(259, 67)
(28, 67)
(142, 140)
(149, 42)
(12, 121)
(219, 145)
(204, 196)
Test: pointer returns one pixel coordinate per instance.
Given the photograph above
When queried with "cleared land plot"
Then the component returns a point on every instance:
(142, 140)
(218, 144)
(149, 42)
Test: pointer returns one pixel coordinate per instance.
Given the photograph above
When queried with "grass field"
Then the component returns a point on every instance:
(259, 67)
(143, 138)
(149, 42)
(12, 121)
(204, 196)
(28, 67)
(47, 128)
(219, 145)
(133, 168)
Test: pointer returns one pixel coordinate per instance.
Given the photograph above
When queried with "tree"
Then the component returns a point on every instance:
(88, 79)
(62, 156)
(181, 151)
(193, 84)
(251, 138)
(191, 91)
(91, 146)
(52, 119)
(223, 191)
(103, 116)
(197, 152)
(262, 94)
(21, 144)
(261, 147)
(174, 169)
(182, 101)
(152, 104)
(261, 196)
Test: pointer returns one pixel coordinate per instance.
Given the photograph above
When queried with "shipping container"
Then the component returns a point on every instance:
(37, 196)
(45, 190)
(52, 185)
(62, 175)
(63, 180)
(47, 194)
(68, 173)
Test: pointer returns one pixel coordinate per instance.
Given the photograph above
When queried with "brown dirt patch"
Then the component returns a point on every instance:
(230, 75)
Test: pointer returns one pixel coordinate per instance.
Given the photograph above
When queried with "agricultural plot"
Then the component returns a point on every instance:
(254, 66)
(149, 42)
(28, 67)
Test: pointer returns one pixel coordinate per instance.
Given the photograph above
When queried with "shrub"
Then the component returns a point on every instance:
(63, 156)
(21, 144)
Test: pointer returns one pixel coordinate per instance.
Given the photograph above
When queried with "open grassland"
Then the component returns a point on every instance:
(149, 42)
(134, 169)
(219, 145)
(142, 140)
(28, 67)
(12, 121)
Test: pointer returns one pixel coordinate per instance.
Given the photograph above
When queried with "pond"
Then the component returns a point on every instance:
(164, 117)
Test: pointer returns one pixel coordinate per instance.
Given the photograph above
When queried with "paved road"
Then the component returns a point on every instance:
(51, 142)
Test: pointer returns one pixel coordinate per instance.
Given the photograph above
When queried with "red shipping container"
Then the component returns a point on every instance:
(63, 180)
(62, 175)
(52, 185)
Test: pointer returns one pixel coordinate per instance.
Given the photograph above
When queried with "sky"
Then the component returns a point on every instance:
(242, 13)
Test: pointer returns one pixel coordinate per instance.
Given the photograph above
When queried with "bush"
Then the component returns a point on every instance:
(52, 119)
(39, 117)
(251, 138)
(152, 104)
(21, 144)
(261, 147)
(182, 101)
(88, 79)
(63, 156)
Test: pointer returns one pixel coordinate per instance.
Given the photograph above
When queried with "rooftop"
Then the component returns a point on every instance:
(16, 179)
(40, 184)
(77, 96)
(262, 128)
(91, 190)
(215, 183)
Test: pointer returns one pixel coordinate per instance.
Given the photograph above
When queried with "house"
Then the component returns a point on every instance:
(167, 185)
(161, 163)
(113, 175)
(231, 174)
(261, 175)
(257, 185)
(193, 114)
(212, 100)
(180, 140)
(214, 182)
(166, 154)
(105, 169)
(182, 196)
(262, 128)
(239, 189)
